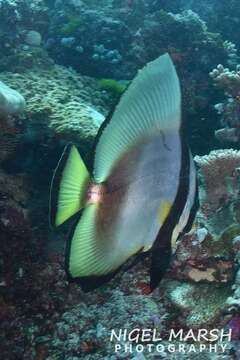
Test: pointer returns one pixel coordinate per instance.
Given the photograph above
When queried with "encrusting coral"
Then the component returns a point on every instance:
(59, 99)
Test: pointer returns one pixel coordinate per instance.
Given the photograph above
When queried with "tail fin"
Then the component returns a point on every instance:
(68, 187)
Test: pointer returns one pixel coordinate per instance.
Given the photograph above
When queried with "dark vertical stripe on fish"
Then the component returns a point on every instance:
(193, 211)
(161, 250)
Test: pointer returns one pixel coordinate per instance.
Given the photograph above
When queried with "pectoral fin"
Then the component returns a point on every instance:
(68, 187)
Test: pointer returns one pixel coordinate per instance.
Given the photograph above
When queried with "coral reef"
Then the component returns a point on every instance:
(42, 316)
(206, 258)
(219, 173)
(82, 342)
(229, 109)
(62, 102)
(198, 305)
(52, 318)
(17, 18)
(115, 38)
(24, 59)
(112, 39)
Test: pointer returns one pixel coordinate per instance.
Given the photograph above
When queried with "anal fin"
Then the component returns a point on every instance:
(160, 261)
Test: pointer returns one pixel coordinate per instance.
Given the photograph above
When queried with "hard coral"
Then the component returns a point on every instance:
(219, 177)
(229, 109)
(61, 101)
(205, 259)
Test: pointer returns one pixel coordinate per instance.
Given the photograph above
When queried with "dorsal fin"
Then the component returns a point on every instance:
(151, 103)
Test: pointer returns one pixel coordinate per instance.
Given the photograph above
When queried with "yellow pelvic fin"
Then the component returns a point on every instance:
(69, 186)
(164, 211)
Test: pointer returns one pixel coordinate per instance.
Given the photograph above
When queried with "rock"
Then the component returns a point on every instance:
(11, 102)
(198, 275)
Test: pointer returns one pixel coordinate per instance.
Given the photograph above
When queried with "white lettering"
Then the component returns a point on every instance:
(121, 334)
(146, 335)
(155, 338)
(202, 335)
(224, 347)
(202, 347)
(139, 348)
(192, 348)
(171, 348)
(160, 348)
(117, 348)
(134, 335)
(128, 348)
(174, 335)
(214, 335)
(190, 335)
(213, 348)
(181, 348)
(150, 346)
(228, 335)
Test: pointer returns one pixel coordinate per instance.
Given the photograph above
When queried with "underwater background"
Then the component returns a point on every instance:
(69, 61)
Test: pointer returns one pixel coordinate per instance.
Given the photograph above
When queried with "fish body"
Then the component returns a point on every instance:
(142, 190)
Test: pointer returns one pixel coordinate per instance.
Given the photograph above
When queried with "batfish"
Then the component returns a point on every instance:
(141, 191)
